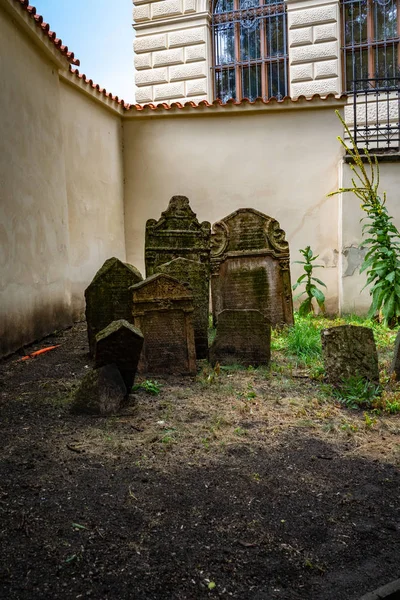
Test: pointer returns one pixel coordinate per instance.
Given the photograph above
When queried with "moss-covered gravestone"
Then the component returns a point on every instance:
(395, 366)
(101, 392)
(250, 266)
(196, 275)
(348, 351)
(163, 311)
(120, 343)
(177, 233)
(108, 297)
(243, 337)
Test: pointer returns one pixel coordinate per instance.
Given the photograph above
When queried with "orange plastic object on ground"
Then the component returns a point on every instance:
(42, 351)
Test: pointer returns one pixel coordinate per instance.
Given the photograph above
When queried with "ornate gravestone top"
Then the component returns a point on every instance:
(248, 231)
(177, 233)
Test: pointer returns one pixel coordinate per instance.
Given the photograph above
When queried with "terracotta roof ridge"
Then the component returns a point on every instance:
(97, 87)
(45, 29)
(232, 102)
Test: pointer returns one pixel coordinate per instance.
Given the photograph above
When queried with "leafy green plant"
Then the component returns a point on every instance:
(149, 386)
(382, 238)
(311, 290)
(304, 340)
(357, 392)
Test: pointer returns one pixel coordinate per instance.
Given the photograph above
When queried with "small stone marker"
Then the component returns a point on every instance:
(108, 297)
(120, 343)
(163, 311)
(196, 275)
(243, 336)
(177, 233)
(250, 266)
(349, 350)
(395, 366)
(101, 392)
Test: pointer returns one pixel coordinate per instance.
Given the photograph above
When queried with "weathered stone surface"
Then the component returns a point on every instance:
(349, 350)
(243, 336)
(196, 275)
(250, 266)
(177, 233)
(108, 297)
(120, 343)
(163, 311)
(395, 366)
(101, 392)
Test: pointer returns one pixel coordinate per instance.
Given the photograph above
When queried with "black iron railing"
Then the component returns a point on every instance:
(376, 113)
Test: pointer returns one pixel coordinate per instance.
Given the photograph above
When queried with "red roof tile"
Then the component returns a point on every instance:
(45, 28)
(96, 86)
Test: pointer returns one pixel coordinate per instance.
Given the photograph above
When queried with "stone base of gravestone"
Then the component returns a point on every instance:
(243, 336)
(349, 350)
(395, 366)
(121, 344)
(101, 392)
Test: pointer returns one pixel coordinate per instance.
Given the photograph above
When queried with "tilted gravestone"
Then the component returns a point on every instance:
(108, 297)
(196, 275)
(120, 343)
(177, 233)
(349, 350)
(243, 336)
(395, 366)
(250, 266)
(163, 311)
(101, 392)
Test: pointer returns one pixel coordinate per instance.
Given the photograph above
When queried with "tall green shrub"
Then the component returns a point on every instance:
(381, 237)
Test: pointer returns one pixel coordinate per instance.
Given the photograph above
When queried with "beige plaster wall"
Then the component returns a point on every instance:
(34, 241)
(282, 163)
(92, 138)
(352, 299)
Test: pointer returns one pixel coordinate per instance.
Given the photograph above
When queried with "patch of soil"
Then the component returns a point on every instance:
(229, 486)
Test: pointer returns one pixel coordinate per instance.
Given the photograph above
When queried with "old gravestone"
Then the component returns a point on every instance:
(395, 366)
(196, 275)
(108, 297)
(120, 343)
(349, 350)
(101, 392)
(177, 233)
(243, 336)
(250, 266)
(163, 310)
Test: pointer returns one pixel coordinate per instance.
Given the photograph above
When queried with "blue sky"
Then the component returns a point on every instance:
(100, 34)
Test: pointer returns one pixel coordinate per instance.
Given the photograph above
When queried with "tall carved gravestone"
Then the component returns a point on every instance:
(162, 310)
(196, 275)
(177, 233)
(108, 297)
(250, 266)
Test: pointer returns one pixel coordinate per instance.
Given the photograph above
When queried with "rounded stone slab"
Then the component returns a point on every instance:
(120, 343)
(101, 392)
(243, 337)
(349, 350)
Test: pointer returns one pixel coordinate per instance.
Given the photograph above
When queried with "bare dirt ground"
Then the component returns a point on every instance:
(247, 484)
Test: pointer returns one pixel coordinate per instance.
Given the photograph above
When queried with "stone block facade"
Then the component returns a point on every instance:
(173, 49)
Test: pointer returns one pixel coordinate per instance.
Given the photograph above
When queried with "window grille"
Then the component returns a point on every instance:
(371, 41)
(250, 49)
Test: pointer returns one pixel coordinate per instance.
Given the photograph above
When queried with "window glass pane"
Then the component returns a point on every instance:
(356, 67)
(386, 63)
(250, 41)
(385, 20)
(225, 87)
(277, 86)
(245, 4)
(224, 44)
(274, 29)
(223, 6)
(355, 22)
(251, 82)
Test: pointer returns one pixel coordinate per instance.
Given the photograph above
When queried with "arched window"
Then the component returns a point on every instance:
(250, 49)
(371, 42)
